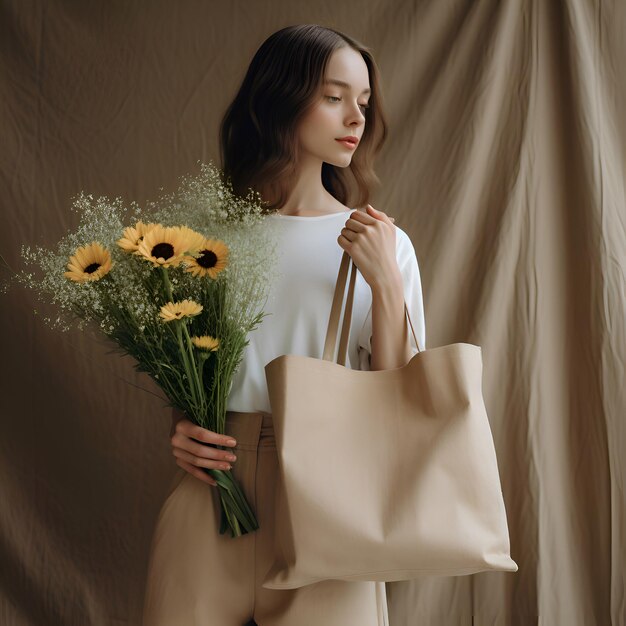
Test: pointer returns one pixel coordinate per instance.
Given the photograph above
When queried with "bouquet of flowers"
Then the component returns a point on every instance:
(178, 286)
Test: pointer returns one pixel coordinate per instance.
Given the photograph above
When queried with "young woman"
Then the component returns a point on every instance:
(307, 113)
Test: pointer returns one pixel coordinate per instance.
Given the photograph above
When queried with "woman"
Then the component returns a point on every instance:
(284, 135)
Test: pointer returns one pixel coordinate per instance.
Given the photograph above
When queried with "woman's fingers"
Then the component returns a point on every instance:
(192, 454)
(200, 461)
(189, 429)
(198, 473)
(355, 225)
(348, 234)
(200, 450)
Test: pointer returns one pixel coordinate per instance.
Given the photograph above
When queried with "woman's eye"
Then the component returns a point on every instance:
(363, 106)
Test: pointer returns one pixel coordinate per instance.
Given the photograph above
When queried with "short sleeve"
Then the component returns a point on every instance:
(409, 268)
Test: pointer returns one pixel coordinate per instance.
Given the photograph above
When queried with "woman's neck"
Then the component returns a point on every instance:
(308, 213)
(307, 197)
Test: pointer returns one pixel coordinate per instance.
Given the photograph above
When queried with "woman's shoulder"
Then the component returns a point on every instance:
(403, 240)
(405, 250)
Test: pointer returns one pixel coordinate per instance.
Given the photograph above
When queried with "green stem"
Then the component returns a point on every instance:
(183, 352)
(187, 356)
(196, 380)
(166, 282)
(236, 511)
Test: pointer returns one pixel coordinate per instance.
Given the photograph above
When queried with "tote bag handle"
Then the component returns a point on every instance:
(333, 321)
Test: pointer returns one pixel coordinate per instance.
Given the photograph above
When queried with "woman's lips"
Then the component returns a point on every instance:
(348, 144)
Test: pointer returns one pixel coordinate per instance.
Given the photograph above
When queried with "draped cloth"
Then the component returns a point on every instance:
(505, 166)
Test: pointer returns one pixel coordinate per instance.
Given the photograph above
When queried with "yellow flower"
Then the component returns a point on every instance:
(177, 310)
(133, 236)
(211, 259)
(194, 238)
(164, 246)
(206, 342)
(90, 262)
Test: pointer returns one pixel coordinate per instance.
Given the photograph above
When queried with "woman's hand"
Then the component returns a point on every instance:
(369, 237)
(191, 455)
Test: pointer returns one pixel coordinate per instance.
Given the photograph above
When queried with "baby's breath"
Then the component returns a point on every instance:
(202, 202)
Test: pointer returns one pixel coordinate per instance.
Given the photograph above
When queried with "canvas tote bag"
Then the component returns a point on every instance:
(384, 475)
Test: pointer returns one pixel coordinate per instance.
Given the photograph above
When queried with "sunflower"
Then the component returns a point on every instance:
(133, 236)
(177, 310)
(211, 259)
(206, 342)
(165, 245)
(194, 238)
(90, 262)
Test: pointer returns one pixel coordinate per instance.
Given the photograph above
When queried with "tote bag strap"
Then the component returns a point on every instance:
(335, 311)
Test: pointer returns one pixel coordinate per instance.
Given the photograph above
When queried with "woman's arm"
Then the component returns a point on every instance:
(369, 237)
(390, 334)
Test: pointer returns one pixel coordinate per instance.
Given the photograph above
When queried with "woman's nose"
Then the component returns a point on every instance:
(356, 117)
(355, 121)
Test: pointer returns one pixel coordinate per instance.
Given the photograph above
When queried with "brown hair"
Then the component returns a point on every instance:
(258, 146)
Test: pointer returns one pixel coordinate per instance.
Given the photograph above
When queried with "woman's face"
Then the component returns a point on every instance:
(340, 111)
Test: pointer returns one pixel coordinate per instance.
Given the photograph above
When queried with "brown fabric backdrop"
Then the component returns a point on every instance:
(505, 165)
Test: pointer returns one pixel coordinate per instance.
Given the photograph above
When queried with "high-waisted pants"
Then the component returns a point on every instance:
(197, 577)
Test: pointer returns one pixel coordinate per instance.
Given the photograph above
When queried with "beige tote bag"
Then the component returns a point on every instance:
(384, 475)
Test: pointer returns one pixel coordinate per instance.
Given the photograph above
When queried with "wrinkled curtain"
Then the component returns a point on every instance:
(504, 164)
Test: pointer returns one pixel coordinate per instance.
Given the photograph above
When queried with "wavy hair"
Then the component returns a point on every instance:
(258, 133)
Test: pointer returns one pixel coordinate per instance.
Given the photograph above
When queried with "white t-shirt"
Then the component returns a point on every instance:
(300, 298)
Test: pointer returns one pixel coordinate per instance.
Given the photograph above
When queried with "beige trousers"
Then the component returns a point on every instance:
(197, 577)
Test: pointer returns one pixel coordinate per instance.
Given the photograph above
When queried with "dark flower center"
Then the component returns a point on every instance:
(207, 259)
(163, 251)
(91, 268)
